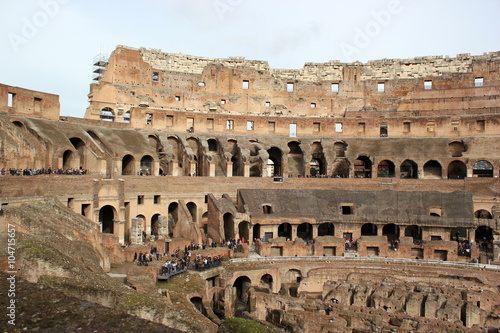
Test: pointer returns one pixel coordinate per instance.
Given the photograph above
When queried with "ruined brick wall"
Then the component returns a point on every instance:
(15, 100)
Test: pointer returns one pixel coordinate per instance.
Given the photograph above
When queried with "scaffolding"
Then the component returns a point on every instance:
(100, 64)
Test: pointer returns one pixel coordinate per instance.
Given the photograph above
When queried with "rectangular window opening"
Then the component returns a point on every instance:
(293, 130)
(361, 127)
(246, 85)
(384, 132)
(347, 210)
(316, 127)
(268, 104)
(140, 199)
(157, 199)
(313, 105)
(428, 85)
(177, 98)
(10, 100)
(381, 87)
(272, 126)
(478, 82)
(229, 124)
(190, 125)
(149, 119)
(222, 101)
(455, 125)
(339, 127)
(431, 126)
(210, 123)
(290, 86)
(156, 76)
(480, 125)
(170, 121)
(249, 125)
(335, 87)
(407, 127)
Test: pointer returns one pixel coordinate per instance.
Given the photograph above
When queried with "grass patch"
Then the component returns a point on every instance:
(240, 325)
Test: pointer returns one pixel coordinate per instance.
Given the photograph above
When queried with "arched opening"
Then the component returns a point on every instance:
(256, 232)
(18, 124)
(266, 283)
(146, 166)
(68, 160)
(242, 286)
(482, 214)
(143, 225)
(326, 229)
(457, 170)
(198, 304)
(415, 232)
(409, 170)
(173, 216)
(126, 117)
(212, 145)
(236, 158)
(385, 169)
(484, 238)
(433, 170)
(275, 155)
(363, 167)
(243, 230)
(228, 226)
(80, 148)
(270, 168)
(285, 230)
(304, 231)
(318, 158)
(197, 149)
(128, 165)
(191, 206)
(314, 168)
(368, 229)
(295, 160)
(482, 169)
(107, 114)
(154, 225)
(391, 231)
(106, 219)
(204, 223)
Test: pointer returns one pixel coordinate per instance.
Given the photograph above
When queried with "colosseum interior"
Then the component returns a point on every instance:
(340, 197)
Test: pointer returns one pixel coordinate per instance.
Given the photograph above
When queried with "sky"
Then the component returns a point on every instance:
(49, 45)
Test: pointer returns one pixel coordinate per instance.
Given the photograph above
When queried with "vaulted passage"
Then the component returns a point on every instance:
(106, 219)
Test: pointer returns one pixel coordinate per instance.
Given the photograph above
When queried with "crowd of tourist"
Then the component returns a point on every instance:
(42, 171)
(350, 244)
(464, 249)
(202, 263)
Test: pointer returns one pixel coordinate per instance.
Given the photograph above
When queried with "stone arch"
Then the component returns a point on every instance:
(276, 156)
(173, 217)
(456, 148)
(391, 231)
(318, 157)
(292, 276)
(69, 160)
(256, 231)
(482, 214)
(198, 304)
(236, 158)
(143, 223)
(363, 167)
(340, 147)
(414, 231)
(326, 229)
(147, 165)
(242, 289)
(386, 168)
(266, 282)
(107, 219)
(126, 117)
(19, 124)
(198, 157)
(285, 230)
(409, 170)
(305, 231)
(369, 229)
(228, 226)
(482, 168)
(484, 238)
(204, 222)
(244, 230)
(213, 145)
(128, 165)
(457, 170)
(433, 170)
(155, 225)
(193, 211)
(107, 114)
(79, 145)
(295, 159)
